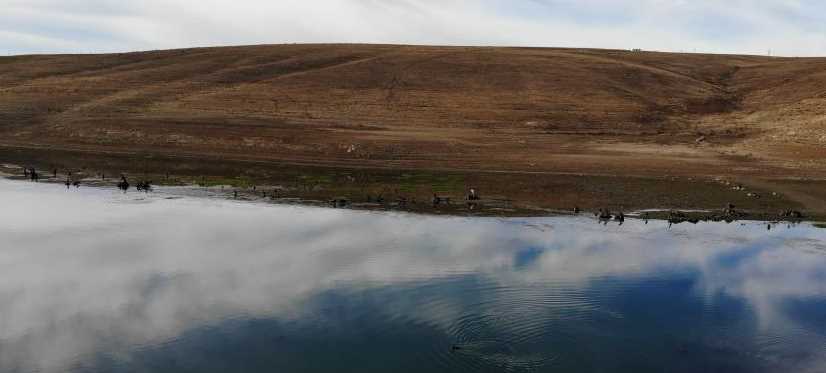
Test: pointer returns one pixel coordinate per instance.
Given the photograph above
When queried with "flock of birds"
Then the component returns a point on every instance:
(71, 181)
(728, 214)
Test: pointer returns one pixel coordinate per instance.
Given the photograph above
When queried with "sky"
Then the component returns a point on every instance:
(784, 27)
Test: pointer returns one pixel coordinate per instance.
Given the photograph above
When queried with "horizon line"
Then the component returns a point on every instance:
(485, 46)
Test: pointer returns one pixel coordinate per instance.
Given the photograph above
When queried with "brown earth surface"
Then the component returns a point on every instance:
(520, 112)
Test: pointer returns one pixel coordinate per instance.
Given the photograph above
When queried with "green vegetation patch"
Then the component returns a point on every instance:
(317, 179)
(237, 182)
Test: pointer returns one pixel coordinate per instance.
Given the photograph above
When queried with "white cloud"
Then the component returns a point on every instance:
(790, 27)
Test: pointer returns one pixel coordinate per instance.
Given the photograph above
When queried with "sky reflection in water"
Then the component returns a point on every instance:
(95, 280)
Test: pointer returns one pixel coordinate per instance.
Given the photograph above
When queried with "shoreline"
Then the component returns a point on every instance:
(484, 208)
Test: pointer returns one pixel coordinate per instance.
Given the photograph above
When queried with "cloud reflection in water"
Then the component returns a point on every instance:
(89, 272)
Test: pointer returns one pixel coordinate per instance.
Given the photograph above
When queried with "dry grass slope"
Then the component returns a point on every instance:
(517, 109)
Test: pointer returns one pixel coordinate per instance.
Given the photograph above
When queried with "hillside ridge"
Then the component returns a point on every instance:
(499, 108)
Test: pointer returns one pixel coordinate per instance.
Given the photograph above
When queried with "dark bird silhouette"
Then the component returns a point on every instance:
(123, 184)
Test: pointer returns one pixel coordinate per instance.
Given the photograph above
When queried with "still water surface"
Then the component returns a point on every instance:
(95, 280)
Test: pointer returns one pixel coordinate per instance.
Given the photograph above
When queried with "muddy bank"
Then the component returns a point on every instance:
(434, 192)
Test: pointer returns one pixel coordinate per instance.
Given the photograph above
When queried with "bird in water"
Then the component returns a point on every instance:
(123, 184)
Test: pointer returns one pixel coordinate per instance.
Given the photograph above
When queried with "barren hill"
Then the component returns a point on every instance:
(509, 109)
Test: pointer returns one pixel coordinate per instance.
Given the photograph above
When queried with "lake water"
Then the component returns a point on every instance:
(93, 280)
